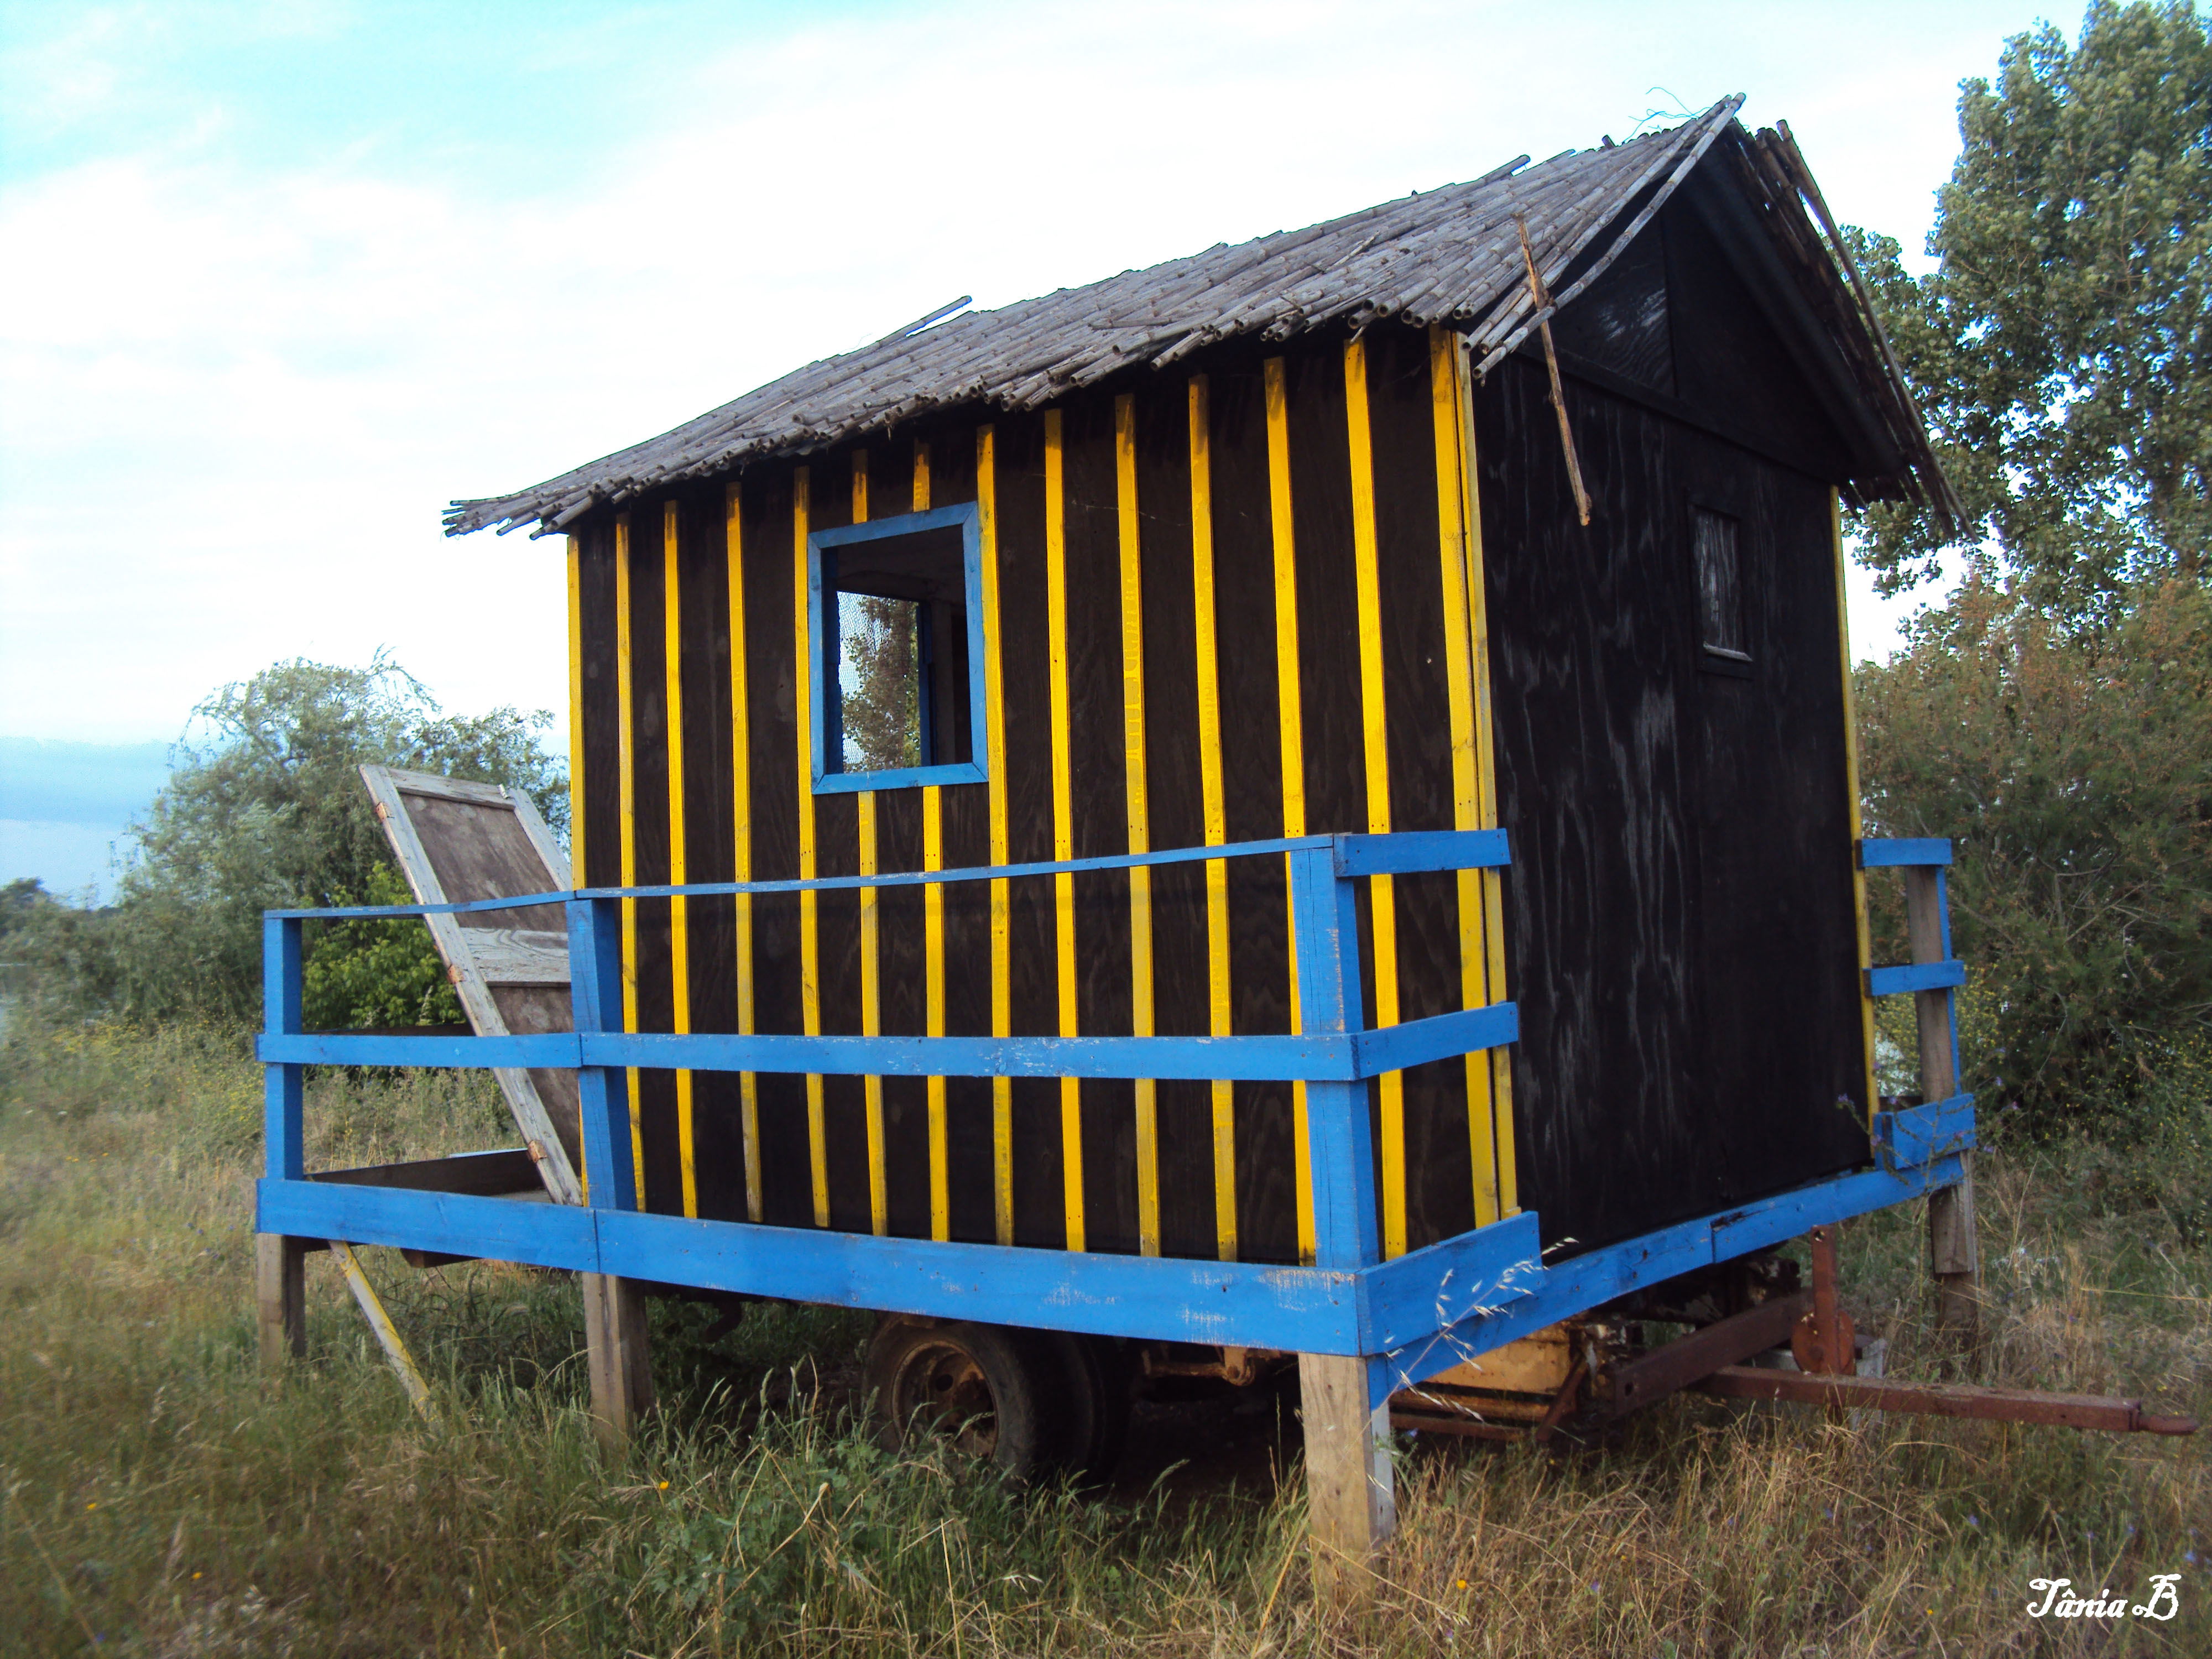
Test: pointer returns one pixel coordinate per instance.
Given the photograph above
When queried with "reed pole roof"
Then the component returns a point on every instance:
(1450, 256)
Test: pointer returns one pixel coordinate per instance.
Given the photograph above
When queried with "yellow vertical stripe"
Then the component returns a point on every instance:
(1446, 388)
(1140, 812)
(871, 982)
(576, 712)
(1857, 819)
(741, 833)
(1002, 985)
(932, 947)
(1498, 1062)
(809, 932)
(1290, 719)
(1214, 814)
(871, 1019)
(1063, 815)
(1383, 901)
(626, 761)
(576, 877)
(679, 916)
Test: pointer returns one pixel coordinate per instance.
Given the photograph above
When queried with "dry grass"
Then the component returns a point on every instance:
(155, 1499)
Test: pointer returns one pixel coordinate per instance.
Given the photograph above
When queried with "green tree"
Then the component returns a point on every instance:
(881, 711)
(2052, 715)
(264, 809)
(2061, 349)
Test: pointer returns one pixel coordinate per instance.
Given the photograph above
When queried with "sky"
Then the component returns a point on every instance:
(284, 278)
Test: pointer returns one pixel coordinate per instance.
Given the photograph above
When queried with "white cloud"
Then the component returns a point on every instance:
(238, 392)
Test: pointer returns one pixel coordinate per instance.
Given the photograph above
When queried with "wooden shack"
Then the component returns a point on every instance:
(1504, 514)
(1282, 538)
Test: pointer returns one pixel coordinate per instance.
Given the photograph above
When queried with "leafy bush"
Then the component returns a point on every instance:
(2074, 772)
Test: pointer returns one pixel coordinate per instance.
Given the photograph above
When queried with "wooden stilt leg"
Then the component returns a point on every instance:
(279, 1291)
(1953, 1254)
(1954, 1258)
(1352, 1505)
(621, 1365)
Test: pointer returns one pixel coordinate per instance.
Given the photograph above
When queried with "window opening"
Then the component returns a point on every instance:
(897, 610)
(1718, 543)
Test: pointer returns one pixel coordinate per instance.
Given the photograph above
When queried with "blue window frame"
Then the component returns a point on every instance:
(895, 625)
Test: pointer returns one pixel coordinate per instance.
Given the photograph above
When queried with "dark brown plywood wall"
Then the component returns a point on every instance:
(656, 1090)
(1252, 793)
(1679, 927)
(1439, 1163)
(1663, 819)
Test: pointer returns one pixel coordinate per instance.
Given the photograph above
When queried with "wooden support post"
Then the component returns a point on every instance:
(621, 1361)
(614, 1307)
(1351, 1507)
(279, 1291)
(280, 1263)
(1954, 1257)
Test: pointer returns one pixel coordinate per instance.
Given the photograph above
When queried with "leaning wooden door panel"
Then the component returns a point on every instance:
(458, 842)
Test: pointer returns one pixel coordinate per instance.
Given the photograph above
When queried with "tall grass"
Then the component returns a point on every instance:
(157, 1498)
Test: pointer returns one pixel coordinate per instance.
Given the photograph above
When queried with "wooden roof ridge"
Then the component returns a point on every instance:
(1448, 255)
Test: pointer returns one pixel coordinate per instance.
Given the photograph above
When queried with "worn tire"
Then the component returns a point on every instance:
(1094, 1416)
(991, 1390)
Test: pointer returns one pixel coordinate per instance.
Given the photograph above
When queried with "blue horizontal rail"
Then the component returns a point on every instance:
(1349, 855)
(1916, 1135)
(1916, 976)
(1880, 852)
(1412, 1316)
(1331, 1053)
(1548, 1295)
(1339, 1057)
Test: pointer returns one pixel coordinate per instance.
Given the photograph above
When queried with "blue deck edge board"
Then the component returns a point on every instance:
(1412, 1317)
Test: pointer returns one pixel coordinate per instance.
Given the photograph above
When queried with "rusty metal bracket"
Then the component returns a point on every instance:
(1824, 1341)
(1637, 1383)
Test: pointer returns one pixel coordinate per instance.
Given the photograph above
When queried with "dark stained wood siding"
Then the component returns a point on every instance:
(1679, 911)
(1678, 914)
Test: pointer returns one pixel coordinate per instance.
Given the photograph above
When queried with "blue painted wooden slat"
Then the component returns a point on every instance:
(960, 514)
(348, 912)
(1240, 1057)
(1340, 1142)
(1759, 1226)
(1440, 1036)
(1409, 851)
(603, 1093)
(1880, 853)
(1914, 1136)
(552, 1048)
(1317, 1057)
(1916, 976)
(282, 1010)
(1374, 852)
(1170, 1298)
(1165, 1297)
(1584, 1282)
(497, 1228)
(1571, 1287)
(899, 777)
(1449, 1282)
(974, 872)
(1310, 1311)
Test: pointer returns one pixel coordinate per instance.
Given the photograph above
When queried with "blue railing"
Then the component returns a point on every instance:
(1410, 1316)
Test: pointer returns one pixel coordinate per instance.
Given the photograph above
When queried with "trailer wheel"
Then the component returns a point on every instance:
(1094, 1416)
(985, 1387)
